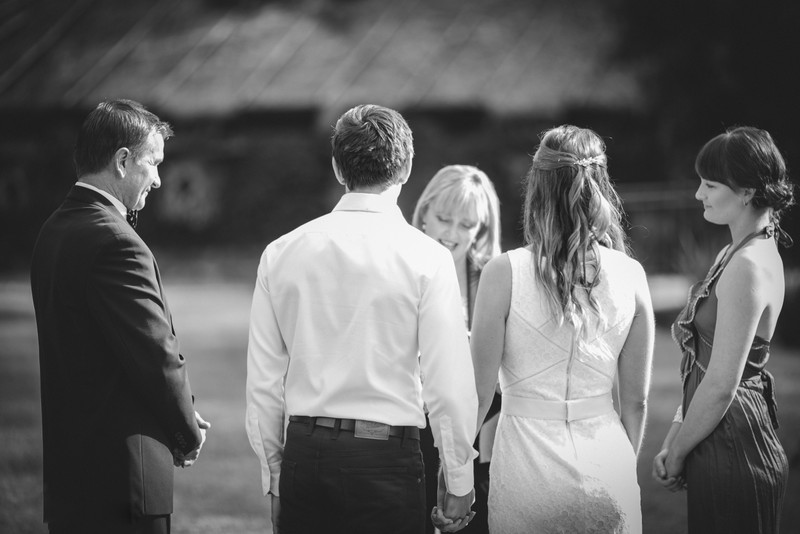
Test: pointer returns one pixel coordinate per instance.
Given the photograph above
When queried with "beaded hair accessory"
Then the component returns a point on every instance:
(548, 159)
(594, 160)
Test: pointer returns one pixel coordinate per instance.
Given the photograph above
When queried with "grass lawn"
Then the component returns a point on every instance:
(222, 493)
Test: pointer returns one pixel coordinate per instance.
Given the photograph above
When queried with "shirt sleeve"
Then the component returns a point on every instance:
(267, 363)
(449, 387)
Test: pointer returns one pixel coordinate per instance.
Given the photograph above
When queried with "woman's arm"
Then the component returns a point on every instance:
(492, 304)
(635, 364)
(742, 299)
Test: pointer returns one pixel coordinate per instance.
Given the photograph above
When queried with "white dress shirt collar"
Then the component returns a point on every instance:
(368, 202)
(114, 200)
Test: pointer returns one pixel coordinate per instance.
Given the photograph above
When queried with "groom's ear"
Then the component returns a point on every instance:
(404, 173)
(337, 172)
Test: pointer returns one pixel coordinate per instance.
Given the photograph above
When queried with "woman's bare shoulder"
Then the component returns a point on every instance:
(754, 268)
(497, 269)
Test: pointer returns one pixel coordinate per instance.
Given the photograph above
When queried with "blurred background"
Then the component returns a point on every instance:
(252, 88)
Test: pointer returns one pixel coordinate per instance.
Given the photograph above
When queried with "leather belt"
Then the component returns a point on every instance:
(360, 428)
(569, 410)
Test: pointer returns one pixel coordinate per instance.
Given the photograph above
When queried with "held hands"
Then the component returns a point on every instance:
(668, 471)
(451, 513)
(181, 460)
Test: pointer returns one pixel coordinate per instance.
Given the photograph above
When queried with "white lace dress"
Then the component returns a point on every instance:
(561, 466)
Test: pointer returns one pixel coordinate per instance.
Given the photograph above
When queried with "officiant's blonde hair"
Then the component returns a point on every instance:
(457, 189)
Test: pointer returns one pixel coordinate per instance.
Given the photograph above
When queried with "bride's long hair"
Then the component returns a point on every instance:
(571, 209)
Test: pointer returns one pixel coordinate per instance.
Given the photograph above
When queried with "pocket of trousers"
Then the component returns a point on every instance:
(383, 490)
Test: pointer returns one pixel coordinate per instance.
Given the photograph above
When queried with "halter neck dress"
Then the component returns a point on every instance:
(736, 477)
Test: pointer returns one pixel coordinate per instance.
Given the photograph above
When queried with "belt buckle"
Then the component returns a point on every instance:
(371, 430)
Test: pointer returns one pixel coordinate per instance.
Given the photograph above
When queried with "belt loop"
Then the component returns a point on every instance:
(312, 422)
(405, 435)
(337, 423)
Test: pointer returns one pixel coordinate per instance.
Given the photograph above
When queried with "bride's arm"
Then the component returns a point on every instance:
(635, 363)
(489, 329)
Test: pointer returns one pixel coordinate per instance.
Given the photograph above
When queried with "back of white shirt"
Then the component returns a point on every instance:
(352, 308)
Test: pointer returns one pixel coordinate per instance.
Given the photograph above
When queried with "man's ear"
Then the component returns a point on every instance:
(121, 160)
(336, 171)
(405, 173)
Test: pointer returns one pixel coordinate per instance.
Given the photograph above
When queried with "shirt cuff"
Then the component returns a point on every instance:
(460, 480)
(270, 478)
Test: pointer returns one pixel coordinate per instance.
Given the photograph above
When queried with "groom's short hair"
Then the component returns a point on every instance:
(372, 146)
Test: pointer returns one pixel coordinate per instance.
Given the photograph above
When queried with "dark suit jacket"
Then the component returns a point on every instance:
(116, 398)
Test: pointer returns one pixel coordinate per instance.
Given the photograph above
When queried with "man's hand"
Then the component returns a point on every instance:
(452, 513)
(189, 459)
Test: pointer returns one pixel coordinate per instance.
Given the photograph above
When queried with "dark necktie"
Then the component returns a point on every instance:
(133, 217)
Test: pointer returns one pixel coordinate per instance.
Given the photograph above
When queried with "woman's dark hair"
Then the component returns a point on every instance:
(747, 158)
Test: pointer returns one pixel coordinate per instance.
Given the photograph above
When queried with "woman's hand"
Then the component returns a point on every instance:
(661, 473)
(674, 464)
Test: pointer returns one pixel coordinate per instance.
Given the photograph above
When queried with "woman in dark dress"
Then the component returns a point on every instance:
(722, 447)
(459, 208)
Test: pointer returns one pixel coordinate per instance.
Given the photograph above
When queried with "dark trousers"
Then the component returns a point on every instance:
(159, 524)
(430, 455)
(334, 482)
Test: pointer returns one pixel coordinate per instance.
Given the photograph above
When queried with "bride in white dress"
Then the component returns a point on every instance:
(558, 320)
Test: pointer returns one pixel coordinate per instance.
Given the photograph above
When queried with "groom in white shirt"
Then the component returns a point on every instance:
(355, 323)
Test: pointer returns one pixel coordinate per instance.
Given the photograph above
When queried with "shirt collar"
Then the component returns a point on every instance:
(367, 202)
(114, 200)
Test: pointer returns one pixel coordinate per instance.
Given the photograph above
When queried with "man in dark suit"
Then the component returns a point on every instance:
(117, 408)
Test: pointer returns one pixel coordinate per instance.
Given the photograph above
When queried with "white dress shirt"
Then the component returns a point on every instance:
(348, 311)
